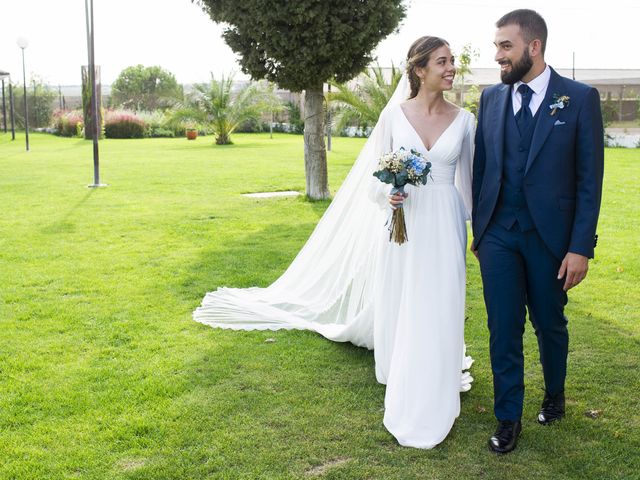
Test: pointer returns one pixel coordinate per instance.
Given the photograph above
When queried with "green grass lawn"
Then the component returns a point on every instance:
(104, 375)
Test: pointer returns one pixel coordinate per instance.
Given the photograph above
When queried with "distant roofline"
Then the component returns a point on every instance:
(478, 75)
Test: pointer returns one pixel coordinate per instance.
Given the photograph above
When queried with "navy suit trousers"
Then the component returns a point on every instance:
(519, 273)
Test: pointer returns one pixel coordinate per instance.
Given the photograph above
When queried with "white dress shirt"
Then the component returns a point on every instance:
(538, 85)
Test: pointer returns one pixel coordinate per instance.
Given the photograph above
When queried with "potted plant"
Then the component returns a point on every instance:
(192, 132)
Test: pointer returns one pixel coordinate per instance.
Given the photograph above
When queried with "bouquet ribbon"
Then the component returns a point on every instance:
(398, 227)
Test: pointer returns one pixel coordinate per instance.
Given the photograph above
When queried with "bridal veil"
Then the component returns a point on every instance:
(328, 286)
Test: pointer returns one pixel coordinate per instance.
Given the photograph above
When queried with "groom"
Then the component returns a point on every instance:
(537, 183)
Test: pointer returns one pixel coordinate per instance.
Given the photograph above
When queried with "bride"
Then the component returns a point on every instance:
(351, 284)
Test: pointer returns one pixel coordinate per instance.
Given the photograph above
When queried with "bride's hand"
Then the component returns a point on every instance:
(397, 199)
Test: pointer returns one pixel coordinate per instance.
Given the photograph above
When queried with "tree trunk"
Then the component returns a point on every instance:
(315, 155)
(223, 138)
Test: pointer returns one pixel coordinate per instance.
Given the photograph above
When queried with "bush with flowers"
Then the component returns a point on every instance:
(68, 123)
(124, 124)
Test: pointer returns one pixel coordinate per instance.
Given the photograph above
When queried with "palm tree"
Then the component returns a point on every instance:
(363, 103)
(217, 105)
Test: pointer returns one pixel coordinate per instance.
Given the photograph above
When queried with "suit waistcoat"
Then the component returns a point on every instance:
(512, 205)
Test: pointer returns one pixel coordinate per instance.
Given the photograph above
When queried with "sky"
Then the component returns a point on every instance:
(179, 37)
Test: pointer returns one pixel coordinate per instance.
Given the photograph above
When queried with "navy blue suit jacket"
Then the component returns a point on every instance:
(564, 169)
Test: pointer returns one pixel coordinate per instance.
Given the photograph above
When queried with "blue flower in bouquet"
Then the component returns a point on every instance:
(416, 164)
(417, 168)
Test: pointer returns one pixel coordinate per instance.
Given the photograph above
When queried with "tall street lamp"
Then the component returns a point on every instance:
(24, 43)
(88, 9)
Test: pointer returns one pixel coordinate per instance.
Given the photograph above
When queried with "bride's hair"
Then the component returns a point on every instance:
(418, 56)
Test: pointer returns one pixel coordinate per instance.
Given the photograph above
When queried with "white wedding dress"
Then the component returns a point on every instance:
(419, 288)
(350, 284)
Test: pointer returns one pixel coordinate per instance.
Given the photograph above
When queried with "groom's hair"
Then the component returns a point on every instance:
(531, 24)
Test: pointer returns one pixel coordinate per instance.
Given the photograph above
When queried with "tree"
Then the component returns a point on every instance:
(39, 103)
(216, 105)
(145, 88)
(272, 104)
(364, 102)
(464, 68)
(609, 111)
(300, 45)
(472, 99)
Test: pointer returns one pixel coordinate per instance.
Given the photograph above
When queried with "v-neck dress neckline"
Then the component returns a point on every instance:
(439, 137)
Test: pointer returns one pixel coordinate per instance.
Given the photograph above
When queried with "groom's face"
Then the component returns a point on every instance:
(512, 53)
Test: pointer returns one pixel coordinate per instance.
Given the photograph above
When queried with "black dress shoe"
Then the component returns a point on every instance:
(506, 436)
(552, 409)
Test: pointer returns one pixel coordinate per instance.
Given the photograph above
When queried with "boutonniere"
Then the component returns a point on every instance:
(559, 102)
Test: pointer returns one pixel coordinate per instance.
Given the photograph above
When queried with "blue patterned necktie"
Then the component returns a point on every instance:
(524, 117)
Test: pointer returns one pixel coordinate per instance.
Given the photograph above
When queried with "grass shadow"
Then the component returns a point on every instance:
(255, 259)
(63, 225)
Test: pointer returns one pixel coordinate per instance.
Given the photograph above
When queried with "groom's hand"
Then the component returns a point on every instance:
(574, 268)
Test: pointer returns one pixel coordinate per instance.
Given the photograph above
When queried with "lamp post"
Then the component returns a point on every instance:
(88, 8)
(24, 43)
(13, 112)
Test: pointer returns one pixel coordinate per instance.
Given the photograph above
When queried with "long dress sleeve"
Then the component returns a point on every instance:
(378, 191)
(464, 167)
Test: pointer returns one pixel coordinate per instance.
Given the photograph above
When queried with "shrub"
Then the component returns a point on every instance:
(68, 123)
(152, 118)
(252, 125)
(124, 124)
(609, 112)
(157, 132)
(40, 101)
(157, 123)
(295, 120)
(472, 99)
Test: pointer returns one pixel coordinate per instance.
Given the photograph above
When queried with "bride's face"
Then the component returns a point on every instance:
(440, 70)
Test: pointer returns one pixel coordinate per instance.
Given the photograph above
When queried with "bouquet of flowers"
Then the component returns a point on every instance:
(400, 168)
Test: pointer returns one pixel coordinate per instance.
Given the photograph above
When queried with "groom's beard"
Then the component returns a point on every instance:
(518, 70)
